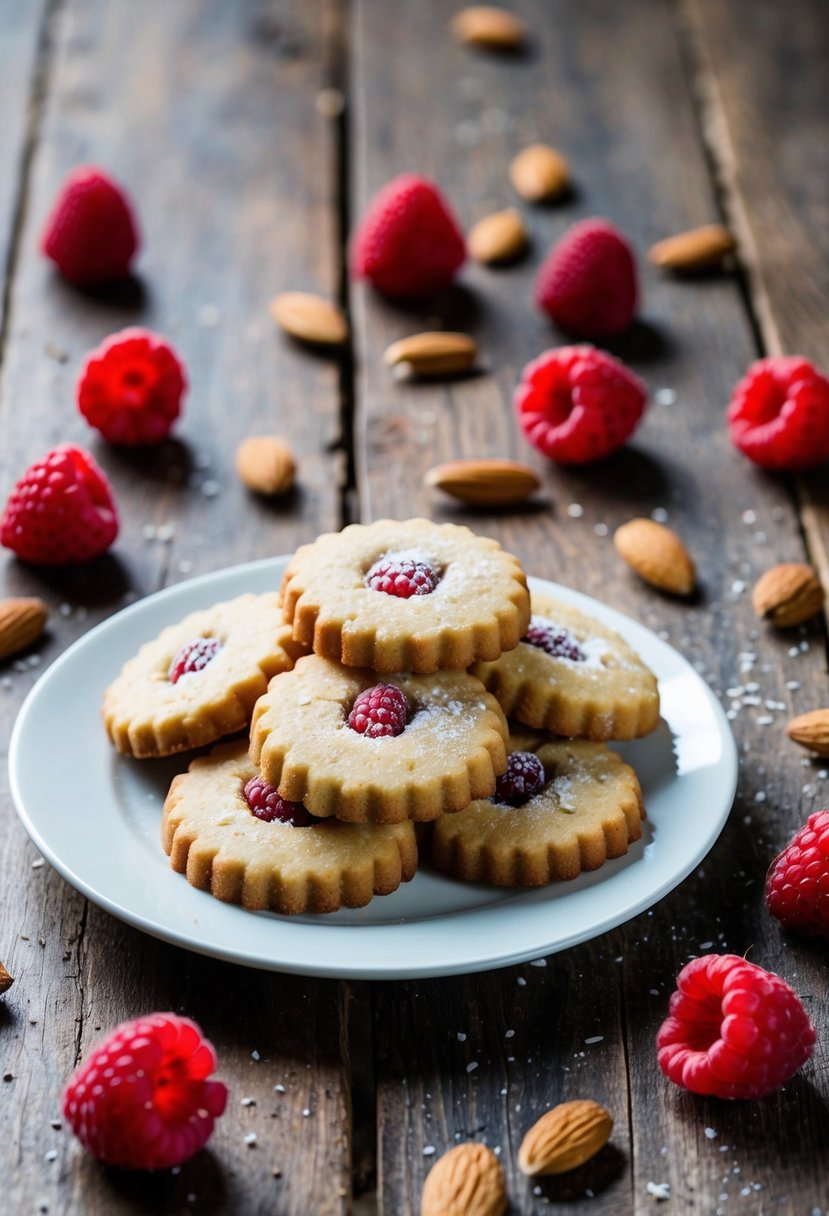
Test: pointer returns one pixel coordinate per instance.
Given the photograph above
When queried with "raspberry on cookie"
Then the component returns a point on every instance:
(406, 596)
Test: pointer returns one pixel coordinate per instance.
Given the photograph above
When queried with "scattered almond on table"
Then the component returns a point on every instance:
(500, 237)
(564, 1138)
(657, 555)
(788, 594)
(484, 483)
(466, 1181)
(433, 354)
(266, 464)
(811, 731)
(698, 249)
(6, 980)
(21, 623)
(488, 26)
(309, 318)
(540, 174)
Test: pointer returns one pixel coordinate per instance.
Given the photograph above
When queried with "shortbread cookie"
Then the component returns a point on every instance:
(233, 836)
(199, 680)
(410, 748)
(562, 807)
(406, 596)
(572, 675)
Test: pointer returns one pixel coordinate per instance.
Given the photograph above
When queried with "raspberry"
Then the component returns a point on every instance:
(587, 283)
(267, 804)
(733, 1030)
(402, 577)
(130, 387)
(380, 712)
(577, 404)
(555, 640)
(797, 884)
(193, 656)
(779, 414)
(524, 777)
(91, 234)
(409, 243)
(61, 510)
(142, 1100)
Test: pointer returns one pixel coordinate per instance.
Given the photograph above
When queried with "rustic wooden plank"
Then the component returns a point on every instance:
(609, 88)
(206, 112)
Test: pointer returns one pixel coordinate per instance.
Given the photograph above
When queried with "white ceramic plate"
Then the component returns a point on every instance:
(95, 817)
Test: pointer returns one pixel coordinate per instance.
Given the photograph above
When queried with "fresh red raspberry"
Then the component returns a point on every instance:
(554, 640)
(131, 386)
(733, 1030)
(402, 577)
(193, 656)
(380, 712)
(91, 234)
(524, 777)
(408, 244)
(267, 804)
(577, 404)
(142, 1100)
(779, 414)
(587, 283)
(61, 510)
(797, 884)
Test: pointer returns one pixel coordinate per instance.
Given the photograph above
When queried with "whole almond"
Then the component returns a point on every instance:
(500, 237)
(466, 1181)
(788, 594)
(309, 318)
(21, 623)
(266, 464)
(657, 555)
(484, 483)
(564, 1138)
(812, 731)
(698, 249)
(540, 174)
(488, 26)
(433, 354)
(6, 980)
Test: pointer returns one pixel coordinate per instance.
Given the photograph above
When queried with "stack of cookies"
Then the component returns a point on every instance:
(374, 691)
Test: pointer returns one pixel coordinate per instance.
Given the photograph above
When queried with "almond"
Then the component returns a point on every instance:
(6, 980)
(539, 173)
(484, 483)
(811, 730)
(500, 237)
(657, 555)
(488, 26)
(433, 354)
(21, 623)
(698, 249)
(310, 318)
(564, 1138)
(266, 464)
(788, 594)
(466, 1181)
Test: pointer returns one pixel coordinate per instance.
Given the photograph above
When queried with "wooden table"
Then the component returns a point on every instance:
(223, 121)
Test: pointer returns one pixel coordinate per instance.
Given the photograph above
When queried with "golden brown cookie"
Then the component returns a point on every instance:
(574, 676)
(199, 679)
(235, 839)
(406, 596)
(445, 744)
(583, 805)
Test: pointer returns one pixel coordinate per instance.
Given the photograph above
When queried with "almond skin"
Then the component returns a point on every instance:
(309, 318)
(21, 623)
(487, 26)
(484, 483)
(6, 980)
(812, 731)
(266, 464)
(500, 237)
(564, 1138)
(540, 174)
(466, 1181)
(698, 249)
(433, 354)
(788, 594)
(657, 555)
